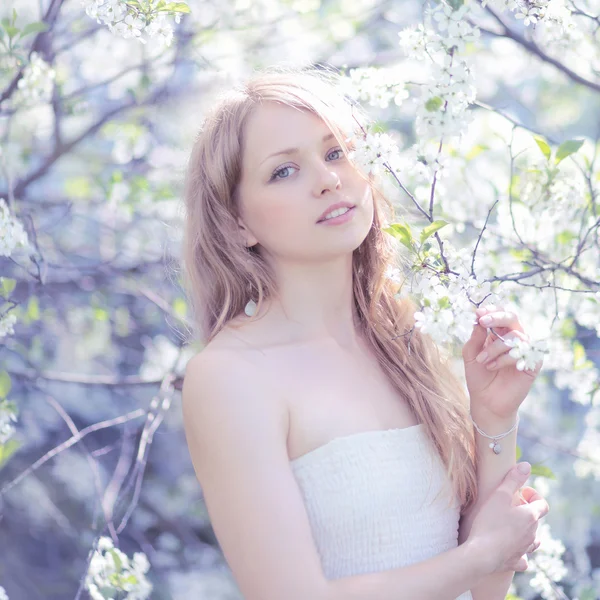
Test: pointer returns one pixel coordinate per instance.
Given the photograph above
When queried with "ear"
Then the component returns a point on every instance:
(245, 233)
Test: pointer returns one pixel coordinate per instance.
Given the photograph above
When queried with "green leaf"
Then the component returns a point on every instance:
(444, 302)
(580, 360)
(431, 229)
(118, 563)
(521, 254)
(8, 285)
(476, 151)
(11, 31)
(587, 594)
(36, 27)
(7, 450)
(78, 187)
(33, 309)
(567, 148)
(180, 307)
(578, 353)
(434, 104)
(180, 7)
(567, 328)
(402, 233)
(564, 237)
(543, 146)
(100, 314)
(5, 384)
(542, 471)
(519, 453)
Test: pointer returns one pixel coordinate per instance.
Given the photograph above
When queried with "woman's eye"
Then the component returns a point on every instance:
(281, 173)
(277, 174)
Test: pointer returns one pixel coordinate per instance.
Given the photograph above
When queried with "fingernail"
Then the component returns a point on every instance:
(481, 357)
(486, 320)
(524, 467)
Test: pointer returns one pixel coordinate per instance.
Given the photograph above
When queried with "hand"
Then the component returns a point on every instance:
(504, 530)
(496, 387)
(526, 495)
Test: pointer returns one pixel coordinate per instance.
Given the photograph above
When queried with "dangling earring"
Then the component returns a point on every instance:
(250, 308)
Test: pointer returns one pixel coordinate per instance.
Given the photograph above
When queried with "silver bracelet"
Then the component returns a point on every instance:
(495, 446)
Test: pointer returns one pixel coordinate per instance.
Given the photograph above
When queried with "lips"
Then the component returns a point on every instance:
(334, 207)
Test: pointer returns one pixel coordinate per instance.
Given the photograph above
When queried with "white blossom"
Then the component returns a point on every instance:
(375, 86)
(12, 234)
(435, 322)
(161, 30)
(372, 151)
(36, 84)
(126, 21)
(527, 353)
(8, 416)
(546, 563)
(3, 594)
(112, 572)
(7, 322)
(129, 27)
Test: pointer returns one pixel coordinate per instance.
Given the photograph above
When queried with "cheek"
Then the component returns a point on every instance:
(278, 213)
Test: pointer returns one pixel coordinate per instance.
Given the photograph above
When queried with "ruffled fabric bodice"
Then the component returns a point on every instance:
(378, 500)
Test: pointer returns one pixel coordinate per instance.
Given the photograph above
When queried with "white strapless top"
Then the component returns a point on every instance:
(378, 500)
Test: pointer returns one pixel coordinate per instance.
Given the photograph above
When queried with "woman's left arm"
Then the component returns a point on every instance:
(496, 390)
(491, 470)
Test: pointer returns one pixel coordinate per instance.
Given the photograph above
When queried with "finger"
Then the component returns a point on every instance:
(482, 310)
(474, 344)
(501, 318)
(505, 360)
(522, 564)
(530, 494)
(498, 347)
(513, 480)
(540, 508)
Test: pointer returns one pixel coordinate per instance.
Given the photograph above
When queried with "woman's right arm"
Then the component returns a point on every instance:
(236, 429)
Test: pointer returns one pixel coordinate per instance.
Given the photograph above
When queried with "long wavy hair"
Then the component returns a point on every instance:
(221, 274)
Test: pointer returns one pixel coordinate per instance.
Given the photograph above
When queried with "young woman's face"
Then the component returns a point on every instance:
(293, 170)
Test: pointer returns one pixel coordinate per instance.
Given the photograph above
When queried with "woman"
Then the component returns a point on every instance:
(334, 462)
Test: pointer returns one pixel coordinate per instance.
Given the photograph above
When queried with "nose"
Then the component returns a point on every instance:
(326, 179)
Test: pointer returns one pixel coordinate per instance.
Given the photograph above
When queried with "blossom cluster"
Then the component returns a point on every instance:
(528, 354)
(36, 84)
(3, 594)
(129, 21)
(556, 17)
(12, 234)
(111, 573)
(8, 416)
(547, 563)
(371, 151)
(450, 88)
(6, 324)
(443, 285)
(376, 86)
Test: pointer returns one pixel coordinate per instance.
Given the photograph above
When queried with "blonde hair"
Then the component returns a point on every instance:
(221, 274)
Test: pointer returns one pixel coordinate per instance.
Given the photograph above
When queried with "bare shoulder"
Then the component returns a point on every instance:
(221, 382)
(236, 431)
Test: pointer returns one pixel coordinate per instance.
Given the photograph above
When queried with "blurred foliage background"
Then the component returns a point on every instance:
(95, 131)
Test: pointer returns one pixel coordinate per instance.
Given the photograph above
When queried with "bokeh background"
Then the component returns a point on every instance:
(95, 131)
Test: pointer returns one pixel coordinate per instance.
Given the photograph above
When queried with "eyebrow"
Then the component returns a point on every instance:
(294, 150)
